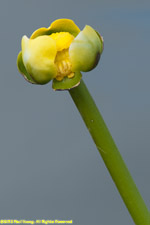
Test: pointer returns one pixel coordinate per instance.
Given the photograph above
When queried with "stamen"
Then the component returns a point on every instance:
(62, 61)
(64, 65)
(71, 75)
(59, 78)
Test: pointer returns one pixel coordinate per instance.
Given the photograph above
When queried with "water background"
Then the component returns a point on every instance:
(49, 166)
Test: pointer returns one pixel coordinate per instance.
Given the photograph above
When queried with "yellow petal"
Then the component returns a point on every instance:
(64, 25)
(63, 40)
(38, 57)
(60, 25)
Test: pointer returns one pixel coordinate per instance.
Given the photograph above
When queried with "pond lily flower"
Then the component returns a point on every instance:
(59, 53)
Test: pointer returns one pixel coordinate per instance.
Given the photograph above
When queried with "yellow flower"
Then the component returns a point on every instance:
(59, 52)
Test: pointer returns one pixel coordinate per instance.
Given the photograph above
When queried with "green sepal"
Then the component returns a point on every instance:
(85, 50)
(23, 70)
(67, 83)
(101, 40)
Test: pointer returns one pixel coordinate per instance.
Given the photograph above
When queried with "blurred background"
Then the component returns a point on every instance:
(49, 166)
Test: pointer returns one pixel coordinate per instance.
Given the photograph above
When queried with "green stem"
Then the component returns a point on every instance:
(110, 154)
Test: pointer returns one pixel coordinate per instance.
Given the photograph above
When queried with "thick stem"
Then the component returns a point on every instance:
(110, 154)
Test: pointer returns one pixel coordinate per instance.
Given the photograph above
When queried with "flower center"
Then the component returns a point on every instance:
(62, 61)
